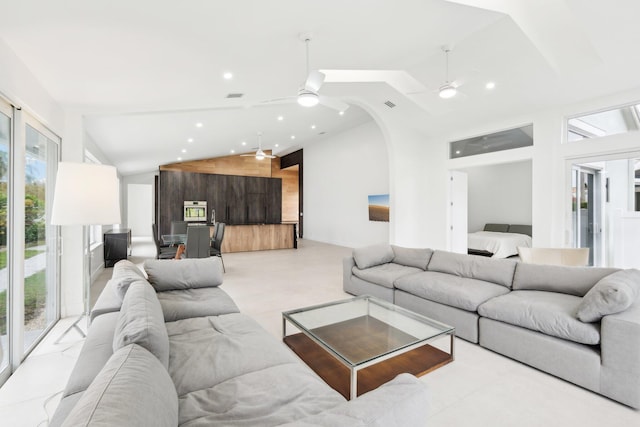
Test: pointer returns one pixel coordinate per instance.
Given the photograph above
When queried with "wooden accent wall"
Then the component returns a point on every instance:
(289, 176)
(227, 165)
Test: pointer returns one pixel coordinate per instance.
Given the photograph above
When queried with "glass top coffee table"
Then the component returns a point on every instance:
(358, 344)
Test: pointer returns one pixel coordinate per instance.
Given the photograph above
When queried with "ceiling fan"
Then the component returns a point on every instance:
(308, 95)
(448, 89)
(259, 154)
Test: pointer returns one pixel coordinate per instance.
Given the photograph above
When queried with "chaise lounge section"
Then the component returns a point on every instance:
(581, 324)
(173, 349)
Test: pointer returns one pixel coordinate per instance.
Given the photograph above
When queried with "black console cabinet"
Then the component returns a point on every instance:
(116, 245)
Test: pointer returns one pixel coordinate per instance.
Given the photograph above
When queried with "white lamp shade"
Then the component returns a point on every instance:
(86, 194)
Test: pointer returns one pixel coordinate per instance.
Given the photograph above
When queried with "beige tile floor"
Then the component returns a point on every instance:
(479, 388)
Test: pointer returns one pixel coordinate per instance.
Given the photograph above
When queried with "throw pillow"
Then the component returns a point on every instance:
(612, 294)
(141, 322)
(188, 273)
(132, 389)
(124, 274)
(411, 257)
(370, 256)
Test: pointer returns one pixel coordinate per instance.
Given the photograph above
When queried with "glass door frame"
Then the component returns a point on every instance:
(8, 110)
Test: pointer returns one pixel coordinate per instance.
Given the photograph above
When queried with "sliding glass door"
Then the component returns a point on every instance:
(5, 138)
(40, 261)
(586, 210)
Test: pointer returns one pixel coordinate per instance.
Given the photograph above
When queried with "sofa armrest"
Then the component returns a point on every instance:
(400, 402)
(347, 270)
(620, 352)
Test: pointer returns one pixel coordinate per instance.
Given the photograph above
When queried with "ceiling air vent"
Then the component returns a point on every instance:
(322, 133)
(389, 104)
(235, 95)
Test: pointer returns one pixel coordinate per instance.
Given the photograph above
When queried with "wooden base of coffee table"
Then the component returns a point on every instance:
(418, 362)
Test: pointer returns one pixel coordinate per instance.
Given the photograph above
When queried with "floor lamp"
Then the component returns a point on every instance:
(85, 194)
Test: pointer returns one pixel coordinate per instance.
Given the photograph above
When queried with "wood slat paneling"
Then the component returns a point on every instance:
(227, 165)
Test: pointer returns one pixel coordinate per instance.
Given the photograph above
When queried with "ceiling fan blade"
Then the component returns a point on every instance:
(285, 100)
(314, 81)
(334, 103)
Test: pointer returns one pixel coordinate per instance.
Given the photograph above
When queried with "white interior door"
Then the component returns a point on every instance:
(457, 212)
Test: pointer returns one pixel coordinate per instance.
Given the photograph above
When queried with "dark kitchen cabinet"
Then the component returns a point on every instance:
(235, 199)
(273, 201)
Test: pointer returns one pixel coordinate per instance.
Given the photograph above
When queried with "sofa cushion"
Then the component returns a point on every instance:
(411, 257)
(124, 274)
(555, 278)
(133, 389)
(385, 274)
(612, 294)
(270, 396)
(141, 322)
(548, 312)
(448, 289)
(171, 274)
(96, 350)
(109, 300)
(206, 351)
(498, 271)
(373, 255)
(198, 302)
(402, 401)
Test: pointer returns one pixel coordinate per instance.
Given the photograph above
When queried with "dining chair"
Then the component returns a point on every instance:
(216, 242)
(162, 251)
(178, 227)
(197, 245)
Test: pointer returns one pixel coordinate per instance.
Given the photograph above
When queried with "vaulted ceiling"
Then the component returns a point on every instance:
(145, 72)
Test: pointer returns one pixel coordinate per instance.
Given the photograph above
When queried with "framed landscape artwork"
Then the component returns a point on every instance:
(379, 207)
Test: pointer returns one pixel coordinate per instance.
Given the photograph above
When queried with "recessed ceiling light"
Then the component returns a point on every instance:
(179, 158)
(228, 75)
(313, 126)
(233, 151)
(490, 85)
(199, 124)
(184, 150)
(277, 145)
(293, 137)
(243, 143)
(457, 151)
(341, 113)
(280, 118)
(190, 140)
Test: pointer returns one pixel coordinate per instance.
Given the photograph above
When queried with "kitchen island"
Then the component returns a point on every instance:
(259, 237)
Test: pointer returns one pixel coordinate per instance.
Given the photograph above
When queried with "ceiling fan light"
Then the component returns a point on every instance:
(447, 91)
(260, 155)
(308, 99)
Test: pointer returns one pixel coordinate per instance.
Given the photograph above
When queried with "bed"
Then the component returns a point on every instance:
(499, 240)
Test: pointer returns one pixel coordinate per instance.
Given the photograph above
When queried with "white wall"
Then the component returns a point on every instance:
(339, 173)
(499, 194)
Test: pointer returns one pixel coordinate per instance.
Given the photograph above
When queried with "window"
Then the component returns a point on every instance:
(498, 141)
(40, 237)
(609, 122)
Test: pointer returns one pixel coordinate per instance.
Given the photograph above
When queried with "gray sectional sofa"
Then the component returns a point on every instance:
(581, 324)
(171, 348)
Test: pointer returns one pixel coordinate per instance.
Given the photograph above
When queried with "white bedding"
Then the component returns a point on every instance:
(501, 245)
